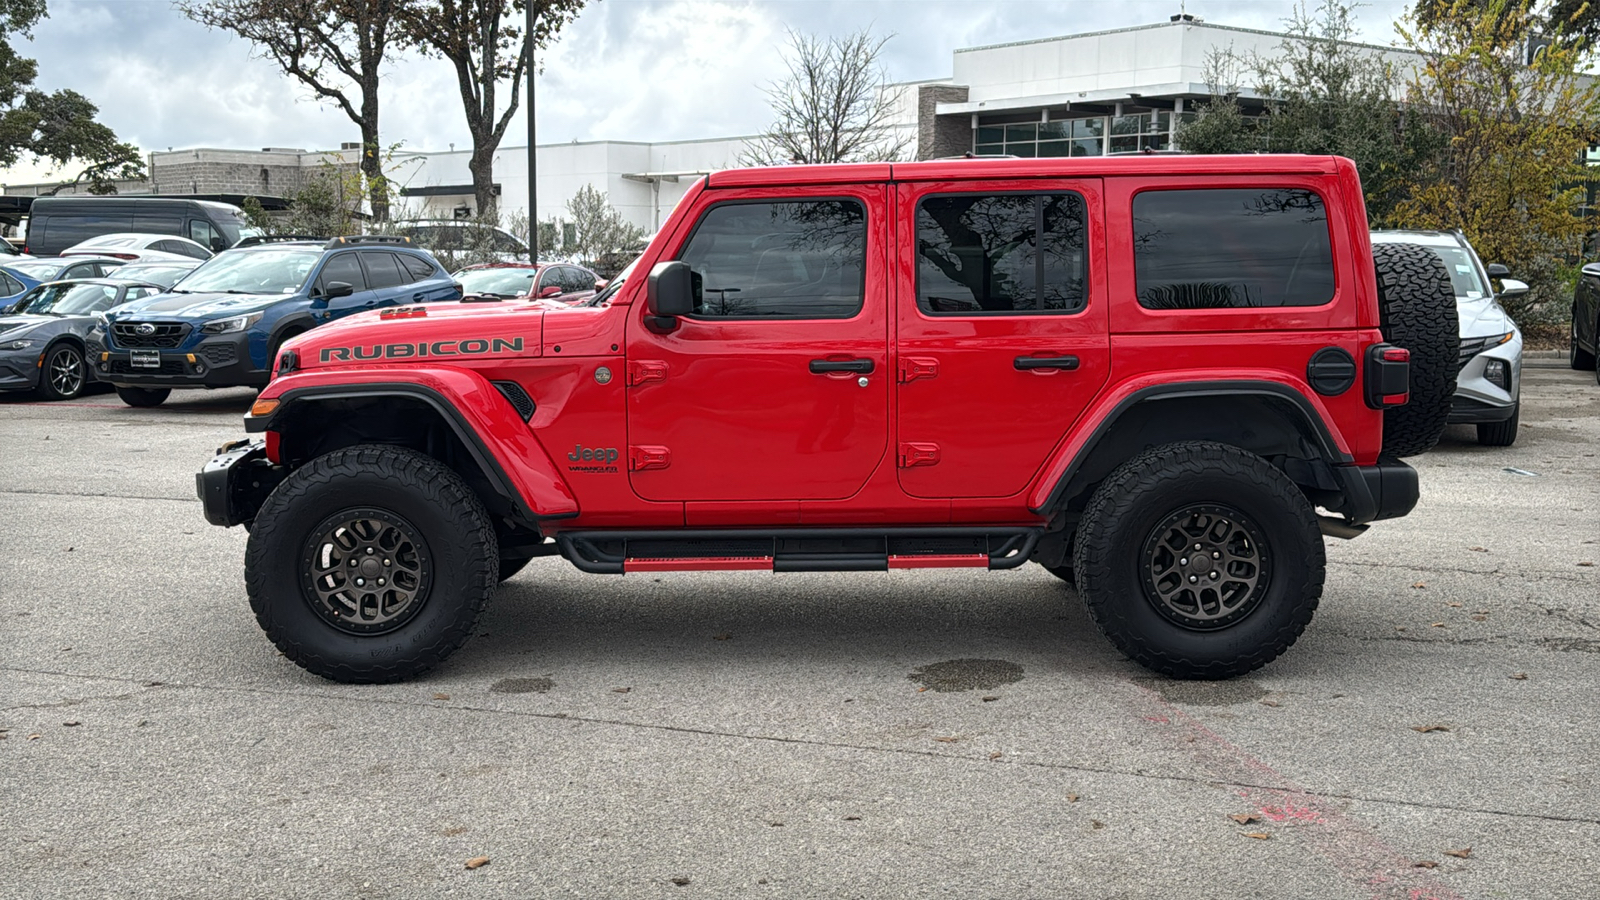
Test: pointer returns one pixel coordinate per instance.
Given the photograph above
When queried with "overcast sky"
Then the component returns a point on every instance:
(640, 70)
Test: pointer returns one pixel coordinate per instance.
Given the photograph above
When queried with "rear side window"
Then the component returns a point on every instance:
(10, 285)
(791, 260)
(1001, 253)
(1231, 248)
(383, 270)
(61, 232)
(418, 267)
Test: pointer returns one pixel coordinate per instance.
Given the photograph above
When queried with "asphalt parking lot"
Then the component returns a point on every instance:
(927, 734)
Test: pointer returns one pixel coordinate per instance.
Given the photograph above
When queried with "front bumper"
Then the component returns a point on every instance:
(219, 361)
(1477, 399)
(233, 485)
(19, 370)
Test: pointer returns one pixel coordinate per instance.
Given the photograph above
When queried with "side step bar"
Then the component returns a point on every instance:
(797, 549)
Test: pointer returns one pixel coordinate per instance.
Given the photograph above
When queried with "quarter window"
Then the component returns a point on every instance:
(1231, 248)
(798, 260)
(1001, 253)
(417, 267)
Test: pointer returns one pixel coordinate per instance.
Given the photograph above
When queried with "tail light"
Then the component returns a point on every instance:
(1388, 376)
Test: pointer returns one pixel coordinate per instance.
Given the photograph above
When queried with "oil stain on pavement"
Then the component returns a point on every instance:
(956, 675)
(521, 686)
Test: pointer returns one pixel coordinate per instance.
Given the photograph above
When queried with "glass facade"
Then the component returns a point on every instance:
(1089, 136)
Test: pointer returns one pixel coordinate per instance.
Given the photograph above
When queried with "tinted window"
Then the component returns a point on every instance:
(779, 260)
(203, 234)
(148, 224)
(1217, 249)
(11, 285)
(418, 267)
(980, 253)
(343, 267)
(61, 232)
(383, 270)
(579, 280)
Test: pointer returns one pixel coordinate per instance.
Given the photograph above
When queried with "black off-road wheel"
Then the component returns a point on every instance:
(1417, 311)
(370, 564)
(143, 397)
(1199, 560)
(63, 374)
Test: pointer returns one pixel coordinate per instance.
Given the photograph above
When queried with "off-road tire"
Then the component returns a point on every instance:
(143, 397)
(1137, 501)
(510, 567)
(1417, 311)
(454, 531)
(64, 374)
(1577, 357)
(1500, 434)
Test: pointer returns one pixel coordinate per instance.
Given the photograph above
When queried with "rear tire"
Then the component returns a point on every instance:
(1577, 357)
(143, 397)
(1500, 434)
(336, 526)
(64, 373)
(1417, 309)
(1261, 555)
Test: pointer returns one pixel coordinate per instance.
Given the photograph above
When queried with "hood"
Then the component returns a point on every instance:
(1483, 317)
(432, 333)
(22, 323)
(198, 306)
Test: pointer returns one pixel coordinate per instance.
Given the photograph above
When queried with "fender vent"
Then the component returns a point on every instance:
(518, 397)
(1331, 371)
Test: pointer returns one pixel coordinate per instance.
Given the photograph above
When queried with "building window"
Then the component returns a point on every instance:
(1086, 136)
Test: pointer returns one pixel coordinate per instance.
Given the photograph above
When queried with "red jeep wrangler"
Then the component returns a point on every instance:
(1163, 378)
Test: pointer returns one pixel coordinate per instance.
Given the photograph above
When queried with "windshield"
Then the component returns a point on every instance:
(253, 272)
(68, 299)
(166, 276)
(236, 227)
(40, 269)
(509, 281)
(1463, 273)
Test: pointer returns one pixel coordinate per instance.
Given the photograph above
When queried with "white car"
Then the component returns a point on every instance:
(142, 247)
(1489, 377)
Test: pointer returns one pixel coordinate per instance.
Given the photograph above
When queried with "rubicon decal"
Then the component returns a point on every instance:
(468, 347)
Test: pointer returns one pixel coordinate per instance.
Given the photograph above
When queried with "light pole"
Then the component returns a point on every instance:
(533, 166)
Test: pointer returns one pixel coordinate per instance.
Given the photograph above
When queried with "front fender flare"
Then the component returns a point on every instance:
(501, 443)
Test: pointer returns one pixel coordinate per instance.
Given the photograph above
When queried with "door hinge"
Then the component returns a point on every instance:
(644, 371)
(913, 454)
(914, 367)
(641, 459)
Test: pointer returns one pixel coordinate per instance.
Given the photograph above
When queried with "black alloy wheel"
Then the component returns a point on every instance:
(366, 571)
(63, 375)
(1206, 566)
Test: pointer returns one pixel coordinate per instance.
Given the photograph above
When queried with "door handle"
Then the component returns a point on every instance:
(1027, 363)
(824, 366)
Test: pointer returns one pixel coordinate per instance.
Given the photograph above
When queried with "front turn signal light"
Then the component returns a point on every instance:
(263, 407)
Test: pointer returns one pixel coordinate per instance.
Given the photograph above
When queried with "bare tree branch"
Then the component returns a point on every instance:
(836, 105)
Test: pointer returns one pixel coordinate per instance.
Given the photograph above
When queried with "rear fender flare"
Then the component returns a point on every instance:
(500, 442)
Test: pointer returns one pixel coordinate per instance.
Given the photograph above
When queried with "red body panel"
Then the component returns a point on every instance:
(719, 423)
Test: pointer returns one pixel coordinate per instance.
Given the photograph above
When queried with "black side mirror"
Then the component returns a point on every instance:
(336, 289)
(1496, 270)
(669, 293)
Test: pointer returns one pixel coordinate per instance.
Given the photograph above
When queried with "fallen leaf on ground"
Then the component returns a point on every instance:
(990, 699)
(775, 824)
(1419, 585)
(679, 880)
(1437, 625)
(1520, 676)
(1427, 728)
(996, 755)
(1453, 605)
(1245, 818)
(621, 690)
(1258, 835)
(1268, 702)
(1479, 549)
(921, 690)
(453, 830)
(852, 818)
(72, 724)
(1479, 617)
(946, 740)
(35, 736)
(1072, 798)
(722, 637)
(1096, 824)
(441, 696)
(1586, 563)
(1400, 628)
(1463, 853)
(1424, 864)
(477, 862)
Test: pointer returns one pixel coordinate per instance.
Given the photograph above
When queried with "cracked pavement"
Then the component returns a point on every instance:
(752, 734)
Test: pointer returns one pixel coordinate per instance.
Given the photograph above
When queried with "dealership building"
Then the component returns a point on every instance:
(1118, 91)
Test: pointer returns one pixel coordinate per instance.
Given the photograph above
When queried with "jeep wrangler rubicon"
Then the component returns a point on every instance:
(1162, 378)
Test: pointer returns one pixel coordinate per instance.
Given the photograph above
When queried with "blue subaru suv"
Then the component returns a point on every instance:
(222, 324)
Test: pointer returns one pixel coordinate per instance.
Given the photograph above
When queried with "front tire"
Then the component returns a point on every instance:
(143, 397)
(1232, 606)
(64, 374)
(1500, 434)
(370, 564)
(1577, 357)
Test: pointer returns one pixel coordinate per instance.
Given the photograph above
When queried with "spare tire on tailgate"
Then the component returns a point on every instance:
(1417, 310)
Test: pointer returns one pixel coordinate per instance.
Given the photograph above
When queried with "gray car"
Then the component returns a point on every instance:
(1489, 376)
(41, 340)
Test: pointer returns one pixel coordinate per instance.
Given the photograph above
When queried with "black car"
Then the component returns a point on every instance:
(1586, 321)
(42, 340)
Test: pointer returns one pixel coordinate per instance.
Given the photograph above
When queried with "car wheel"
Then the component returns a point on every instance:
(370, 564)
(1417, 310)
(1500, 434)
(143, 397)
(64, 374)
(1199, 560)
(1577, 357)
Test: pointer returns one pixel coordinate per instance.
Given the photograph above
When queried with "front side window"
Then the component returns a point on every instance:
(797, 259)
(343, 267)
(1231, 248)
(1001, 253)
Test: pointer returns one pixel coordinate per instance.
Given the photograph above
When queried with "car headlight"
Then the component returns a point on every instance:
(229, 326)
(16, 345)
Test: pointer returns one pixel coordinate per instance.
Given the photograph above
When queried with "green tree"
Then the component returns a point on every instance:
(1510, 173)
(605, 240)
(334, 47)
(57, 127)
(485, 41)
